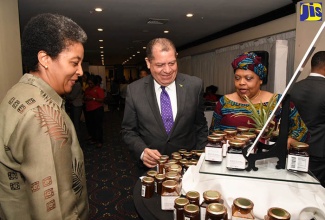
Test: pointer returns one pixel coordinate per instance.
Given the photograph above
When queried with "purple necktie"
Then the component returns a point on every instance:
(166, 110)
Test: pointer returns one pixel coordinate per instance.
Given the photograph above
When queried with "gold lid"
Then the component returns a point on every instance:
(236, 143)
(191, 208)
(249, 134)
(199, 152)
(219, 133)
(211, 195)
(176, 154)
(230, 131)
(181, 151)
(169, 183)
(299, 145)
(147, 179)
(172, 161)
(242, 128)
(216, 209)
(187, 154)
(278, 213)
(193, 152)
(181, 201)
(192, 194)
(166, 157)
(214, 138)
(243, 203)
(175, 167)
(172, 175)
(177, 157)
(242, 138)
(160, 176)
(152, 173)
(193, 161)
(183, 161)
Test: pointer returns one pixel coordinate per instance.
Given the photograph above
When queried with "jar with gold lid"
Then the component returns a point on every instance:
(243, 138)
(165, 157)
(213, 150)
(193, 197)
(187, 155)
(182, 151)
(216, 211)
(177, 158)
(152, 173)
(179, 208)
(298, 157)
(191, 212)
(235, 158)
(250, 135)
(161, 165)
(175, 167)
(147, 188)
(242, 208)
(170, 191)
(199, 153)
(276, 213)
(173, 175)
(230, 133)
(241, 129)
(209, 196)
(176, 154)
(159, 179)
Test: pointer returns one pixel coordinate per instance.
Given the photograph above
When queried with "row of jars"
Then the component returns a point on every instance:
(230, 142)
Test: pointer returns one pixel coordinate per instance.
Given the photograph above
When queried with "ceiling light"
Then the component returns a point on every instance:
(189, 15)
(101, 47)
(144, 47)
(102, 55)
(138, 51)
(98, 9)
(157, 21)
(101, 40)
(101, 51)
(100, 29)
(133, 55)
(166, 32)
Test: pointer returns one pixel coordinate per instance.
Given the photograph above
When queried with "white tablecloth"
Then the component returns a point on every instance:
(299, 199)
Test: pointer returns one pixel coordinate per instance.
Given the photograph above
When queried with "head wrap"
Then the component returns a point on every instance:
(250, 61)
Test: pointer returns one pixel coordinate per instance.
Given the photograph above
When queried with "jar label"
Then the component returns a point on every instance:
(236, 161)
(187, 218)
(156, 187)
(168, 202)
(297, 163)
(213, 154)
(143, 191)
(202, 212)
(225, 148)
(175, 214)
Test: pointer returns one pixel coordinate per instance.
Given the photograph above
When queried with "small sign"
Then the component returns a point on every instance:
(311, 11)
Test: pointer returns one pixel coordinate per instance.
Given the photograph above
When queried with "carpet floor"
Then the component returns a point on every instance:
(111, 173)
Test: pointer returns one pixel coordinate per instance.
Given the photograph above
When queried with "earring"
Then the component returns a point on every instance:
(45, 67)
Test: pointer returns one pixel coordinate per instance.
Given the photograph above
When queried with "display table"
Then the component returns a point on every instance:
(299, 193)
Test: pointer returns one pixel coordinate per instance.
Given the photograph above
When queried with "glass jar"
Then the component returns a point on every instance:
(216, 211)
(241, 129)
(161, 165)
(230, 134)
(235, 158)
(170, 191)
(152, 173)
(173, 175)
(209, 196)
(179, 208)
(243, 138)
(175, 167)
(177, 158)
(165, 157)
(298, 157)
(242, 208)
(191, 212)
(276, 213)
(183, 163)
(250, 135)
(193, 197)
(147, 188)
(182, 151)
(175, 154)
(159, 179)
(187, 155)
(213, 150)
(199, 153)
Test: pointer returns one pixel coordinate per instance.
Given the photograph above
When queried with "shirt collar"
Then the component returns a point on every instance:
(170, 87)
(316, 74)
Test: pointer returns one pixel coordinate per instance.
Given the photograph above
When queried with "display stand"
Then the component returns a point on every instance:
(278, 149)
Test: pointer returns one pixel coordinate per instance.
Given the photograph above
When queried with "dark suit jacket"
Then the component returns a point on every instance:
(143, 127)
(308, 96)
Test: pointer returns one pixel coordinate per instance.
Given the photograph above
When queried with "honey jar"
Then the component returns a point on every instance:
(179, 208)
(159, 179)
(193, 197)
(152, 173)
(241, 129)
(191, 212)
(147, 188)
(242, 208)
(235, 158)
(298, 157)
(216, 211)
(276, 213)
(209, 196)
(170, 191)
(213, 150)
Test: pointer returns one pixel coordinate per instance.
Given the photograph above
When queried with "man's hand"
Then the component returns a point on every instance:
(150, 157)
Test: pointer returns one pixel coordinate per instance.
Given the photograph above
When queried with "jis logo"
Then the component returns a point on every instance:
(311, 11)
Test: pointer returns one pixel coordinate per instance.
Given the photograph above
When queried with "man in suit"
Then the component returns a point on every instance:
(309, 98)
(143, 128)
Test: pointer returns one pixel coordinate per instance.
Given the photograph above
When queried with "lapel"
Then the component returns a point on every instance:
(180, 84)
(152, 100)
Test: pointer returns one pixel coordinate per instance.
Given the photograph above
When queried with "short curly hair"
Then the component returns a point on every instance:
(51, 33)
